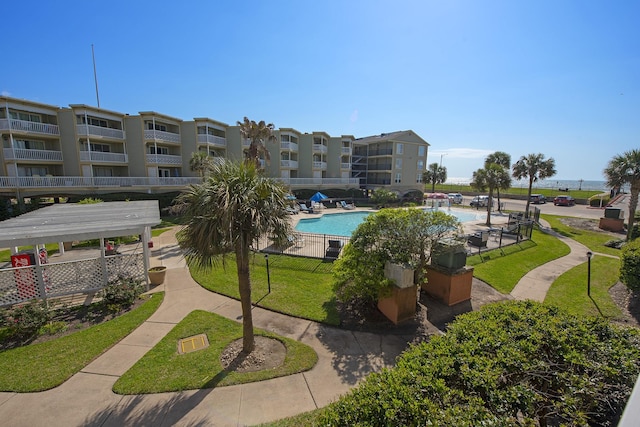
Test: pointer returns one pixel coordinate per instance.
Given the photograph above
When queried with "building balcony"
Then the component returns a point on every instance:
(10, 183)
(381, 152)
(164, 159)
(345, 165)
(289, 164)
(23, 126)
(98, 156)
(320, 165)
(90, 130)
(289, 146)
(161, 136)
(319, 148)
(216, 141)
(346, 150)
(382, 167)
(32, 155)
(319, 182)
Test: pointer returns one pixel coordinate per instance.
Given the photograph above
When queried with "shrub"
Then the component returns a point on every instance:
(615, 243)
(512, 363)
(630, 265)
(121, 294)
(25, 320)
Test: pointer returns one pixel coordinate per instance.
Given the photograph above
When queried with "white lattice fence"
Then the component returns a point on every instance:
(65, 278)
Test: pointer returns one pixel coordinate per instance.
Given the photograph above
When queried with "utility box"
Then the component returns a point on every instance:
(615, 213)
(449, 254)
(401, 275)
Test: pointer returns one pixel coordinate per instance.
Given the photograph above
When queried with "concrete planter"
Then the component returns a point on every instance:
(401, 304)
(157, 275)
(450, 287)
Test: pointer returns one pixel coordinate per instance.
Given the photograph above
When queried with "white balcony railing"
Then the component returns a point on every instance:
(290, 146)
(90, 130)
(29, 127)
(320, 165)
(245, 143)
(158, 135)
(10, 182)
(97, 156)
(26, 154)
(345, 165)
(301, 182)
(319, 148)
(164, 159)
(217, 141)
(346, 150)
(291, 164)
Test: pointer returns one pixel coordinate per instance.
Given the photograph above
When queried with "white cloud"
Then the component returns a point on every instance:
(5, 93)
(354, 116)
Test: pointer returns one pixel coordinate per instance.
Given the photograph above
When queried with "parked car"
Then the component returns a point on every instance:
(455, 198)
(538, 198)
(564, 201)
(479, 201)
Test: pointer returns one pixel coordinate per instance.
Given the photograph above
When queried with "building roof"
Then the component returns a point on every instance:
(401, 135)
(71, 221)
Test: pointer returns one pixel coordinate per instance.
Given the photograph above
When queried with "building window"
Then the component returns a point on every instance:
(158, 150)
(103, 148)
(420, 165)
(422, 151)
(399, 148)
(398, 178)
(159, 127)
(398, 163)
(419, 178)
(28, 144)
(27, 117)
(103, 172)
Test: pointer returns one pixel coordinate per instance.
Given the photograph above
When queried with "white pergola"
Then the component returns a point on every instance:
(74, 222)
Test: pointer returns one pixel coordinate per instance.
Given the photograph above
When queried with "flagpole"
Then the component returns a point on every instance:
(95, 75)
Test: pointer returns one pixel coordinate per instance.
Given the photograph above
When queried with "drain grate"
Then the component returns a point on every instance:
(194, 343)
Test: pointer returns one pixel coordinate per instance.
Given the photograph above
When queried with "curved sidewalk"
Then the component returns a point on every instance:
(86, 399)
(536, 283)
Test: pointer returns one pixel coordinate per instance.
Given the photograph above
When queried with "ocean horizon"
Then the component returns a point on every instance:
(571, 184)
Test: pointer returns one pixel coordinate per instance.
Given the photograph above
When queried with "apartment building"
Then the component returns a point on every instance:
(50, 150)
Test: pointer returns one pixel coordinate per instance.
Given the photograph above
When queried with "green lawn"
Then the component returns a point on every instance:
(43, 366)
(503, 272)
(594, 240)
(301, 287)
(569, 291)
(162, 369)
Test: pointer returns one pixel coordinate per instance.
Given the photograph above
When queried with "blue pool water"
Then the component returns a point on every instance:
(343, 224)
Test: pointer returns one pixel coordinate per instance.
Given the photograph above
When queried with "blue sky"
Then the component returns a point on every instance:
(471, 77)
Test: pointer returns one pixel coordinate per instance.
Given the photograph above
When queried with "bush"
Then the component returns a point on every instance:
(630, 265)
(25, 320)
(122, 294)
(512, 363)
(595, 201)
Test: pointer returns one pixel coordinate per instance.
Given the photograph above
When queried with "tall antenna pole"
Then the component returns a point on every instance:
(95, 75)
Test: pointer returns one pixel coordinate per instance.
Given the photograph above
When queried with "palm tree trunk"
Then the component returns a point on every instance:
(633, 202)
(244, 287)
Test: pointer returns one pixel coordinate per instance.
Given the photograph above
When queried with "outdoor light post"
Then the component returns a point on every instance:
(589, 255)
(266, 257)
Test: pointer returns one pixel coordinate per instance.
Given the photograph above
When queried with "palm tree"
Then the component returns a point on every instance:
(533, 167)
(226, 213)
(503, 159)
(435, 174)
(200, 162)
(625, 169)
(491, 177)
(257, 134)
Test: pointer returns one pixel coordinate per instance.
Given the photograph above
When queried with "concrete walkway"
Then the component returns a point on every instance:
(345, 358)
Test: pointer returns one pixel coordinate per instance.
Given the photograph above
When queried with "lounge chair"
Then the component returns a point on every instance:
(344, 205)
(333, 251)
(304, 208)
(293, 211)
(296, 240)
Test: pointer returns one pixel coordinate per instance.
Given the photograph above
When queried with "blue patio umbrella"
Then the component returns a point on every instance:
(318, 196)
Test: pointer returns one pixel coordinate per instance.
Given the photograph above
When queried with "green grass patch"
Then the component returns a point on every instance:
(594, 240)
(569, 291)
(162, 369)
(300, 287)
(46, 365)
(503, 272)
(158, 231)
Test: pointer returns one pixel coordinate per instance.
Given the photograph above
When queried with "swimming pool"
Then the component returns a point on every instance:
(343, 224)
